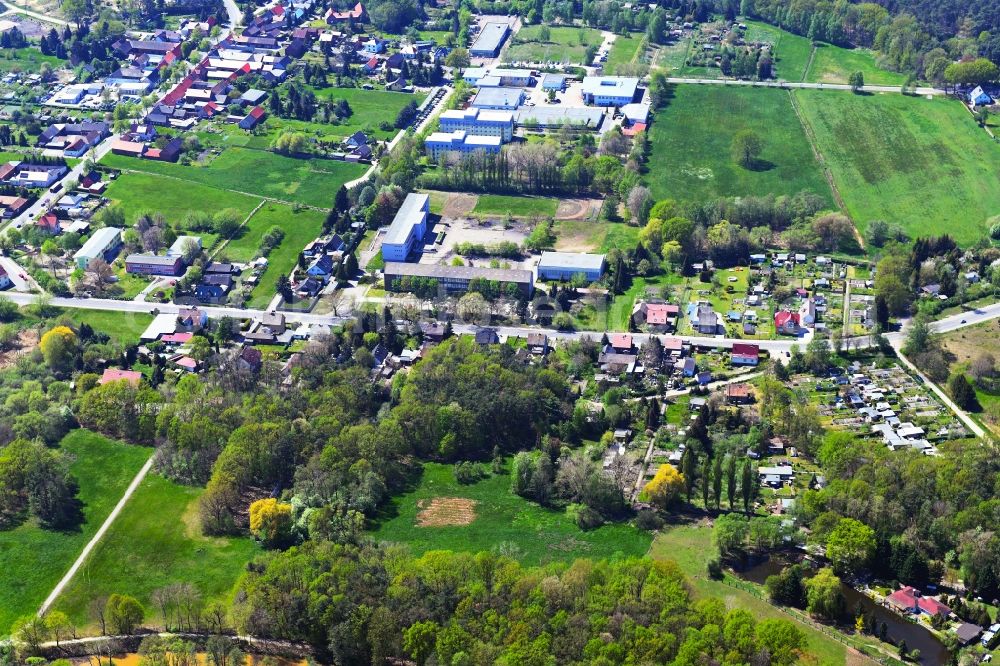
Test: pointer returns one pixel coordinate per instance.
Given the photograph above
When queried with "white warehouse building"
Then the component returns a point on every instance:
(479, 122)
(408, 227)
(564, 265)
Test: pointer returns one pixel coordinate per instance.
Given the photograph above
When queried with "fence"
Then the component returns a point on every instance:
(802, 618)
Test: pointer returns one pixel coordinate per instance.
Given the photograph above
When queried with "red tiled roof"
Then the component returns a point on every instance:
(257, 112)
(744, 349)
(905, 597)
(620, 340)
(782, 318)
(932, 606)
(114, 375)
(48, 221)
(178, 338)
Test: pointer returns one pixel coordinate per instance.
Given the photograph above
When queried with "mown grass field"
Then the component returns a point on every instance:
(625, 51)
(501, 519)
(156, 541)
(32, 559)
(690, 546)
(500, 204)
(300, 227)
(692, 145)
(566, 44)
(256, 172)
(921, 163)
(123, 327)
(833, 64)
(141, 193)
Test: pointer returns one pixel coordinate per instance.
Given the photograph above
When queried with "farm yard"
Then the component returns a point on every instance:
(565, 45)
(103, 468)
(906, 160)
(156, 541)
(691, 141)
(440, 513)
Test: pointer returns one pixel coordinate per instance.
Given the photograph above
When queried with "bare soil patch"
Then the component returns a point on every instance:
(577, 209)
(446, 511)
(26, 341)
(459, 205)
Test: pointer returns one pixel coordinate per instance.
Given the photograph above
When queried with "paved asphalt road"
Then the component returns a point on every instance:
(773, 346)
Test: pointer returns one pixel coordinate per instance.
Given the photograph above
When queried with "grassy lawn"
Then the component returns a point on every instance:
(156, 541)
(500, 517)
(124, 327)
(671, 56)
(370, 107)
(307, 181)
(907, 160)
(624, 51)
(27, 59)
(566, 44)
(791, 52)
(833, 64)
(691, 547)
(692, 138)
(32, 560)
(589, 236)
(300, 227)
(499, 204)
(147, 193)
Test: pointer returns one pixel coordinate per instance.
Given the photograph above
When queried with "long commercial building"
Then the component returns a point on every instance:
(102, 244)
(479, 122)
(455, 279)
(439, 144)
(408, 227)
(490, 40)
(498, 99)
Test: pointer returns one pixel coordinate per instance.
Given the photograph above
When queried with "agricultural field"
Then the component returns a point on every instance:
(833, 64)
(140, 193)
(103, 468)
(156, 541)
(625, 52)
(692, 138)
(906, 160)
(499, 204)
(241, 170)
(442, 514)
(565, 45)
(301, 226)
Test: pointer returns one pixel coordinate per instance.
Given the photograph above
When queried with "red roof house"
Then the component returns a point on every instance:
(48, 223)
(620, 342)
(115, 375)
(745, 354)
(786, 322)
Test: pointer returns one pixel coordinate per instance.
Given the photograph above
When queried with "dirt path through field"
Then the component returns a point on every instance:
(577, 209)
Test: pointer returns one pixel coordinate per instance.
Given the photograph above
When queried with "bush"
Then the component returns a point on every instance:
(468, 473)
(714, 568)
(648, 520)
(584, 517)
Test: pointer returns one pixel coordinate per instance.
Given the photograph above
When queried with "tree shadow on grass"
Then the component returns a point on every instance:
(759, 165)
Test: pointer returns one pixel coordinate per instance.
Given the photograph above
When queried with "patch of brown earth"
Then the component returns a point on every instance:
(446, 511)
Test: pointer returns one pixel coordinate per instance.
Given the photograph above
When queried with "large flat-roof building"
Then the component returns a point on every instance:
(564, 265)
(479, 122)
(498, 99)
(408, 227)
(452, 279)
(152, 264)
(609, 90)
(490, 40)
(102, 244)
(545, 117)
(439, 144)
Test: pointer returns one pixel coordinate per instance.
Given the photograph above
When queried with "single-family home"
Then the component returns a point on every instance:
(745, 354)
(738, 394)
(979, 97)
(786, 323)
(116, 375)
